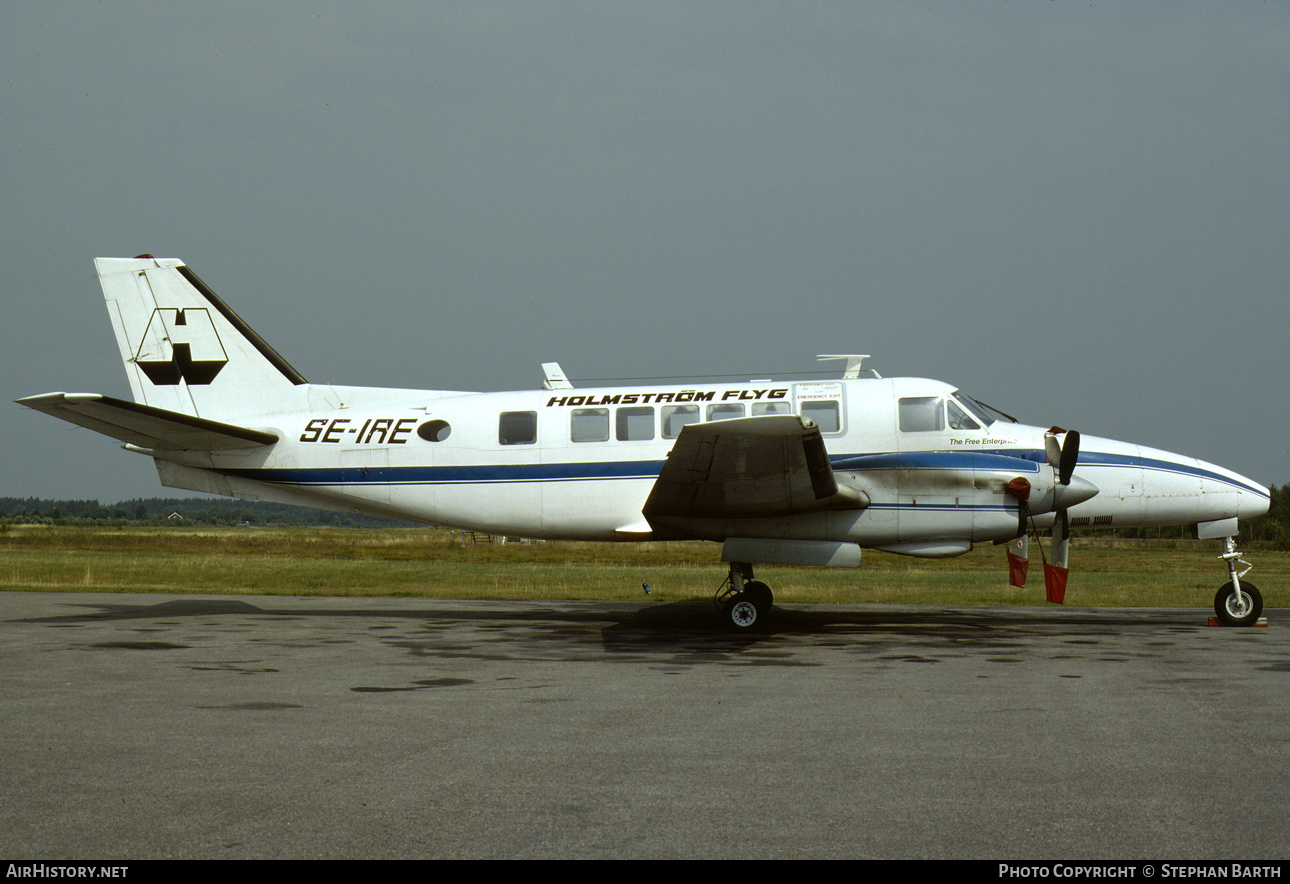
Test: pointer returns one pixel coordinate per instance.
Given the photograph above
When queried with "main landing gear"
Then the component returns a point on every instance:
(745, 603)
(1238, 602)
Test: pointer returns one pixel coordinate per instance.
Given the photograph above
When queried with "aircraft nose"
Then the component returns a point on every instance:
(1258, 506)
(1253, 500)
(1148, 486)
(1237, 496)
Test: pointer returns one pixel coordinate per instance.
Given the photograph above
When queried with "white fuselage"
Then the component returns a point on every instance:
(580, 463)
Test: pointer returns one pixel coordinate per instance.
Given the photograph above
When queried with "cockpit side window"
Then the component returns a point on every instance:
(921, 414)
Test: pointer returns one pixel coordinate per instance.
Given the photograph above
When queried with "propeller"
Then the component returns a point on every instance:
(1063, 456)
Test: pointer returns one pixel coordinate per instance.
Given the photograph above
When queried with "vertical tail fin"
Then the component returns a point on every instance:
(184, 349)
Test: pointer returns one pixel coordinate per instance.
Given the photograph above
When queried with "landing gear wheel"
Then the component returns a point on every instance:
(743, 615)
(744, 602)
(1235, 609)
(759, 594)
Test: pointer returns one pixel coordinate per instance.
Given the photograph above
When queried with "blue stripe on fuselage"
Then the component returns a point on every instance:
(456, 475)
(997, 460)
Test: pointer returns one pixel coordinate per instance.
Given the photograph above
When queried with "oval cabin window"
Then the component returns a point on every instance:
(434, 431)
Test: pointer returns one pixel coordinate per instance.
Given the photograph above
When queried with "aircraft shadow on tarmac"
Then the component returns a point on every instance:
(674, 624)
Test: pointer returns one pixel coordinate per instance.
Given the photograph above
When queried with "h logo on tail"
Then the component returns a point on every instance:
(180, 344)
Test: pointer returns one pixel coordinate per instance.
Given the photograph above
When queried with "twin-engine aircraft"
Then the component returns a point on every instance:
(777, 472)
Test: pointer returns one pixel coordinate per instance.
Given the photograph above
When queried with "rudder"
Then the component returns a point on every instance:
(184, 349)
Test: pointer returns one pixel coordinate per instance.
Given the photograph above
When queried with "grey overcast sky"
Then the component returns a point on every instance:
(1077, 212)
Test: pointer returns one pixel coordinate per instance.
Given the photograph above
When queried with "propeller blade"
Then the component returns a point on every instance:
(1055, 583)
(1018, 560)
(1070, 454)
(1061, 538)
(1062, 455)
(1055, 574)
(1053, 448)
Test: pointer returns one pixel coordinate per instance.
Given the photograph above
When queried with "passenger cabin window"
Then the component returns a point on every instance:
(828, 414)
(635, 424)
(590, 425)
(517, 428)
(677, 416)
(725, 411)
(921, 414)
(434, 431)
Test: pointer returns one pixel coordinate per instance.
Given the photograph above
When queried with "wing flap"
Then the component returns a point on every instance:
(744, 468)
(145, 425)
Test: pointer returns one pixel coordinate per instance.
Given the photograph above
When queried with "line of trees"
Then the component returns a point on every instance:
(178, 511)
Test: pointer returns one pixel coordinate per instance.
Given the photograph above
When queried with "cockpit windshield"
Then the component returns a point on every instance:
(929, 414)
(984, 413)
(958, 418)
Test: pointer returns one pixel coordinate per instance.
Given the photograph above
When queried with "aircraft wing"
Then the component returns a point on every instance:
(146, 426)
(744, 468)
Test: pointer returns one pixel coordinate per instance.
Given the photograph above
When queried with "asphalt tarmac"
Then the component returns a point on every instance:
(144, 726)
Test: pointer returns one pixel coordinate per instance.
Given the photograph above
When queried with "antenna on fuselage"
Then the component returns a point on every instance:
(853, 364)
(555, 379)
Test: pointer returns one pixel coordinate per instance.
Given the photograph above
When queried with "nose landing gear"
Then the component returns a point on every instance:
(1238, 602)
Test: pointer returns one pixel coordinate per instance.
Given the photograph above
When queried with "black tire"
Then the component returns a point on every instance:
(760, 594)
(1244, 611)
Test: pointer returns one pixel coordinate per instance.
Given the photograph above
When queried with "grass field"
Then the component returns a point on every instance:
(434, 563)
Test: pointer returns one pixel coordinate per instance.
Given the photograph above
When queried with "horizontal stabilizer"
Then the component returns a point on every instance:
(146, 426)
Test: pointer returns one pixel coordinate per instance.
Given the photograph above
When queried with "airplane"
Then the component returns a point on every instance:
(804, 472)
